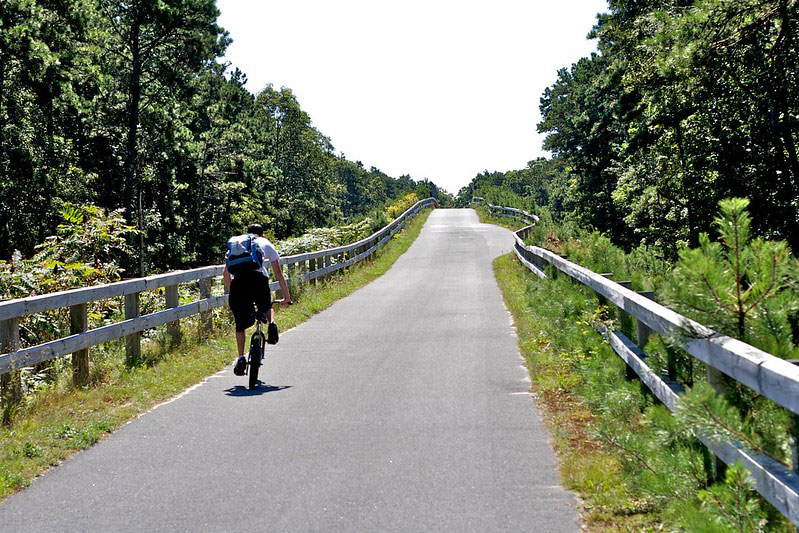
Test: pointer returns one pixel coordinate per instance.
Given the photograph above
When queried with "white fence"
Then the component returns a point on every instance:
(774, 378)
(298, 268)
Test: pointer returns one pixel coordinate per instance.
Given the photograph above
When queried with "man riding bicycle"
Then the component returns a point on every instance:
(249, 291)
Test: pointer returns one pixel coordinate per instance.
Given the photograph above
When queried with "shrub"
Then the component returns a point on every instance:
(402, 205)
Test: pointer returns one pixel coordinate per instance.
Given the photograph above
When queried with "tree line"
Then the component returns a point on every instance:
(125, 105)
(685, 103)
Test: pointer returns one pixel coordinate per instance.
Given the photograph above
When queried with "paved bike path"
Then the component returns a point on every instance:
(401, 407)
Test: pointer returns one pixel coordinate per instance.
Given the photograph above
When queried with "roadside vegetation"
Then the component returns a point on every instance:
(637, 466)
(684, 103)
(56, 419)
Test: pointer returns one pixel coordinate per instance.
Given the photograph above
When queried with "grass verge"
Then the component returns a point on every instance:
(636, 467)
(486, 217)
(59, 421)
(553, 345)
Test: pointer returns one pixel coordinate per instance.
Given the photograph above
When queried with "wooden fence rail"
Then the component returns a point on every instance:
(774, 378)
(301, 268)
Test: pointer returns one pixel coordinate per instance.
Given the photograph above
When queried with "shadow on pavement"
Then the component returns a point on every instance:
(241, 390)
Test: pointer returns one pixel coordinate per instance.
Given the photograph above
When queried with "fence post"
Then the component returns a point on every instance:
(642, 331)
(373, 244)
(602, 299)
(795, 435)
(172, 328)
(79, 323)
(206, 321)
(537, 261)
(272, 277)
(292, 280)
(11, 382)
(132, 341)
(716, 380)
(624, 321)
(312, 265)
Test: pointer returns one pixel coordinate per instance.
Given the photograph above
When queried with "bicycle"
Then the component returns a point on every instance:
(256, 356)
(258, 349)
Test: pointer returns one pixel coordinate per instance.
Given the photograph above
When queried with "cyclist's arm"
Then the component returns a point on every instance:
(226, 278)
(284, 289)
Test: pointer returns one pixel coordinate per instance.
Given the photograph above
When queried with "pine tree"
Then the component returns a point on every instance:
(739, 286)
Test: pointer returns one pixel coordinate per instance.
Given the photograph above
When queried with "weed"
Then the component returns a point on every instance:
(65, 432)
(12, 482)
(30, 450)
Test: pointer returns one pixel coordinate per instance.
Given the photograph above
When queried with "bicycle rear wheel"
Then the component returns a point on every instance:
(256, 354)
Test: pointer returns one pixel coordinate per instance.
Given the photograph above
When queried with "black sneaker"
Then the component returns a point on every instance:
(271, 333)
(240, 366)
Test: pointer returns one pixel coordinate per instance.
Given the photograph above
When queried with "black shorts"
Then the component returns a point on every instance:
(248, 291)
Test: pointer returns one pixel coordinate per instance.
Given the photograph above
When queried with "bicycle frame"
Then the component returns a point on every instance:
(256, 355)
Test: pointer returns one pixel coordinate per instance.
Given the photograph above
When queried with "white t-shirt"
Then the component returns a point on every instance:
(270, 254)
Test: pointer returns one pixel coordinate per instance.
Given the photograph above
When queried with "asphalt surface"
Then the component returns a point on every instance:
(403, 407)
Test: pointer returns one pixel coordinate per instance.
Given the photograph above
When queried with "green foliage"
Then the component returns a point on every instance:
(402, 205)
(686, 103)
(89, 236)
(644, 265)
(660, 459)
(662, 480)
(710, 415)
(763, 429)
(578, 113)
(739, 286)
(126, 107)
(83, 252)
(729, 507)
(544, 183)
(30, 450)
(321, 238)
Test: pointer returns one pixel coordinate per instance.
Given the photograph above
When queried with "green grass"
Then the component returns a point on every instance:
(487, 218)
(555, 340)
(635, 467)
(60, 420)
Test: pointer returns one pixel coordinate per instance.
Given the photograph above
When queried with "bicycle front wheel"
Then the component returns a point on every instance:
(255, 362)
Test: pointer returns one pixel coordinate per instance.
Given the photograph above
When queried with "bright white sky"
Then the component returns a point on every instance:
(436, 89)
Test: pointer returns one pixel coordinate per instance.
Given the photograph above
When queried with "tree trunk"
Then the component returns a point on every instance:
(782, 76)
(613, 219)
(171, 223)
(134, 89)
(277, 143)
(693, 230)
(131, 159)
(741, 325)
(2, 101)
(5, 230)
(48, 184)
(141, 236)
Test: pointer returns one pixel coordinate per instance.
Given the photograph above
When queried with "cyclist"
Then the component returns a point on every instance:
(250, 291)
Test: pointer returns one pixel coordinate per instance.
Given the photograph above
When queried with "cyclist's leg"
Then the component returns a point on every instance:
(262, 296)
(241, 304)
(241, 339)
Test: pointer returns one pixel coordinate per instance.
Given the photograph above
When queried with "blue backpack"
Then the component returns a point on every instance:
(243, 254)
